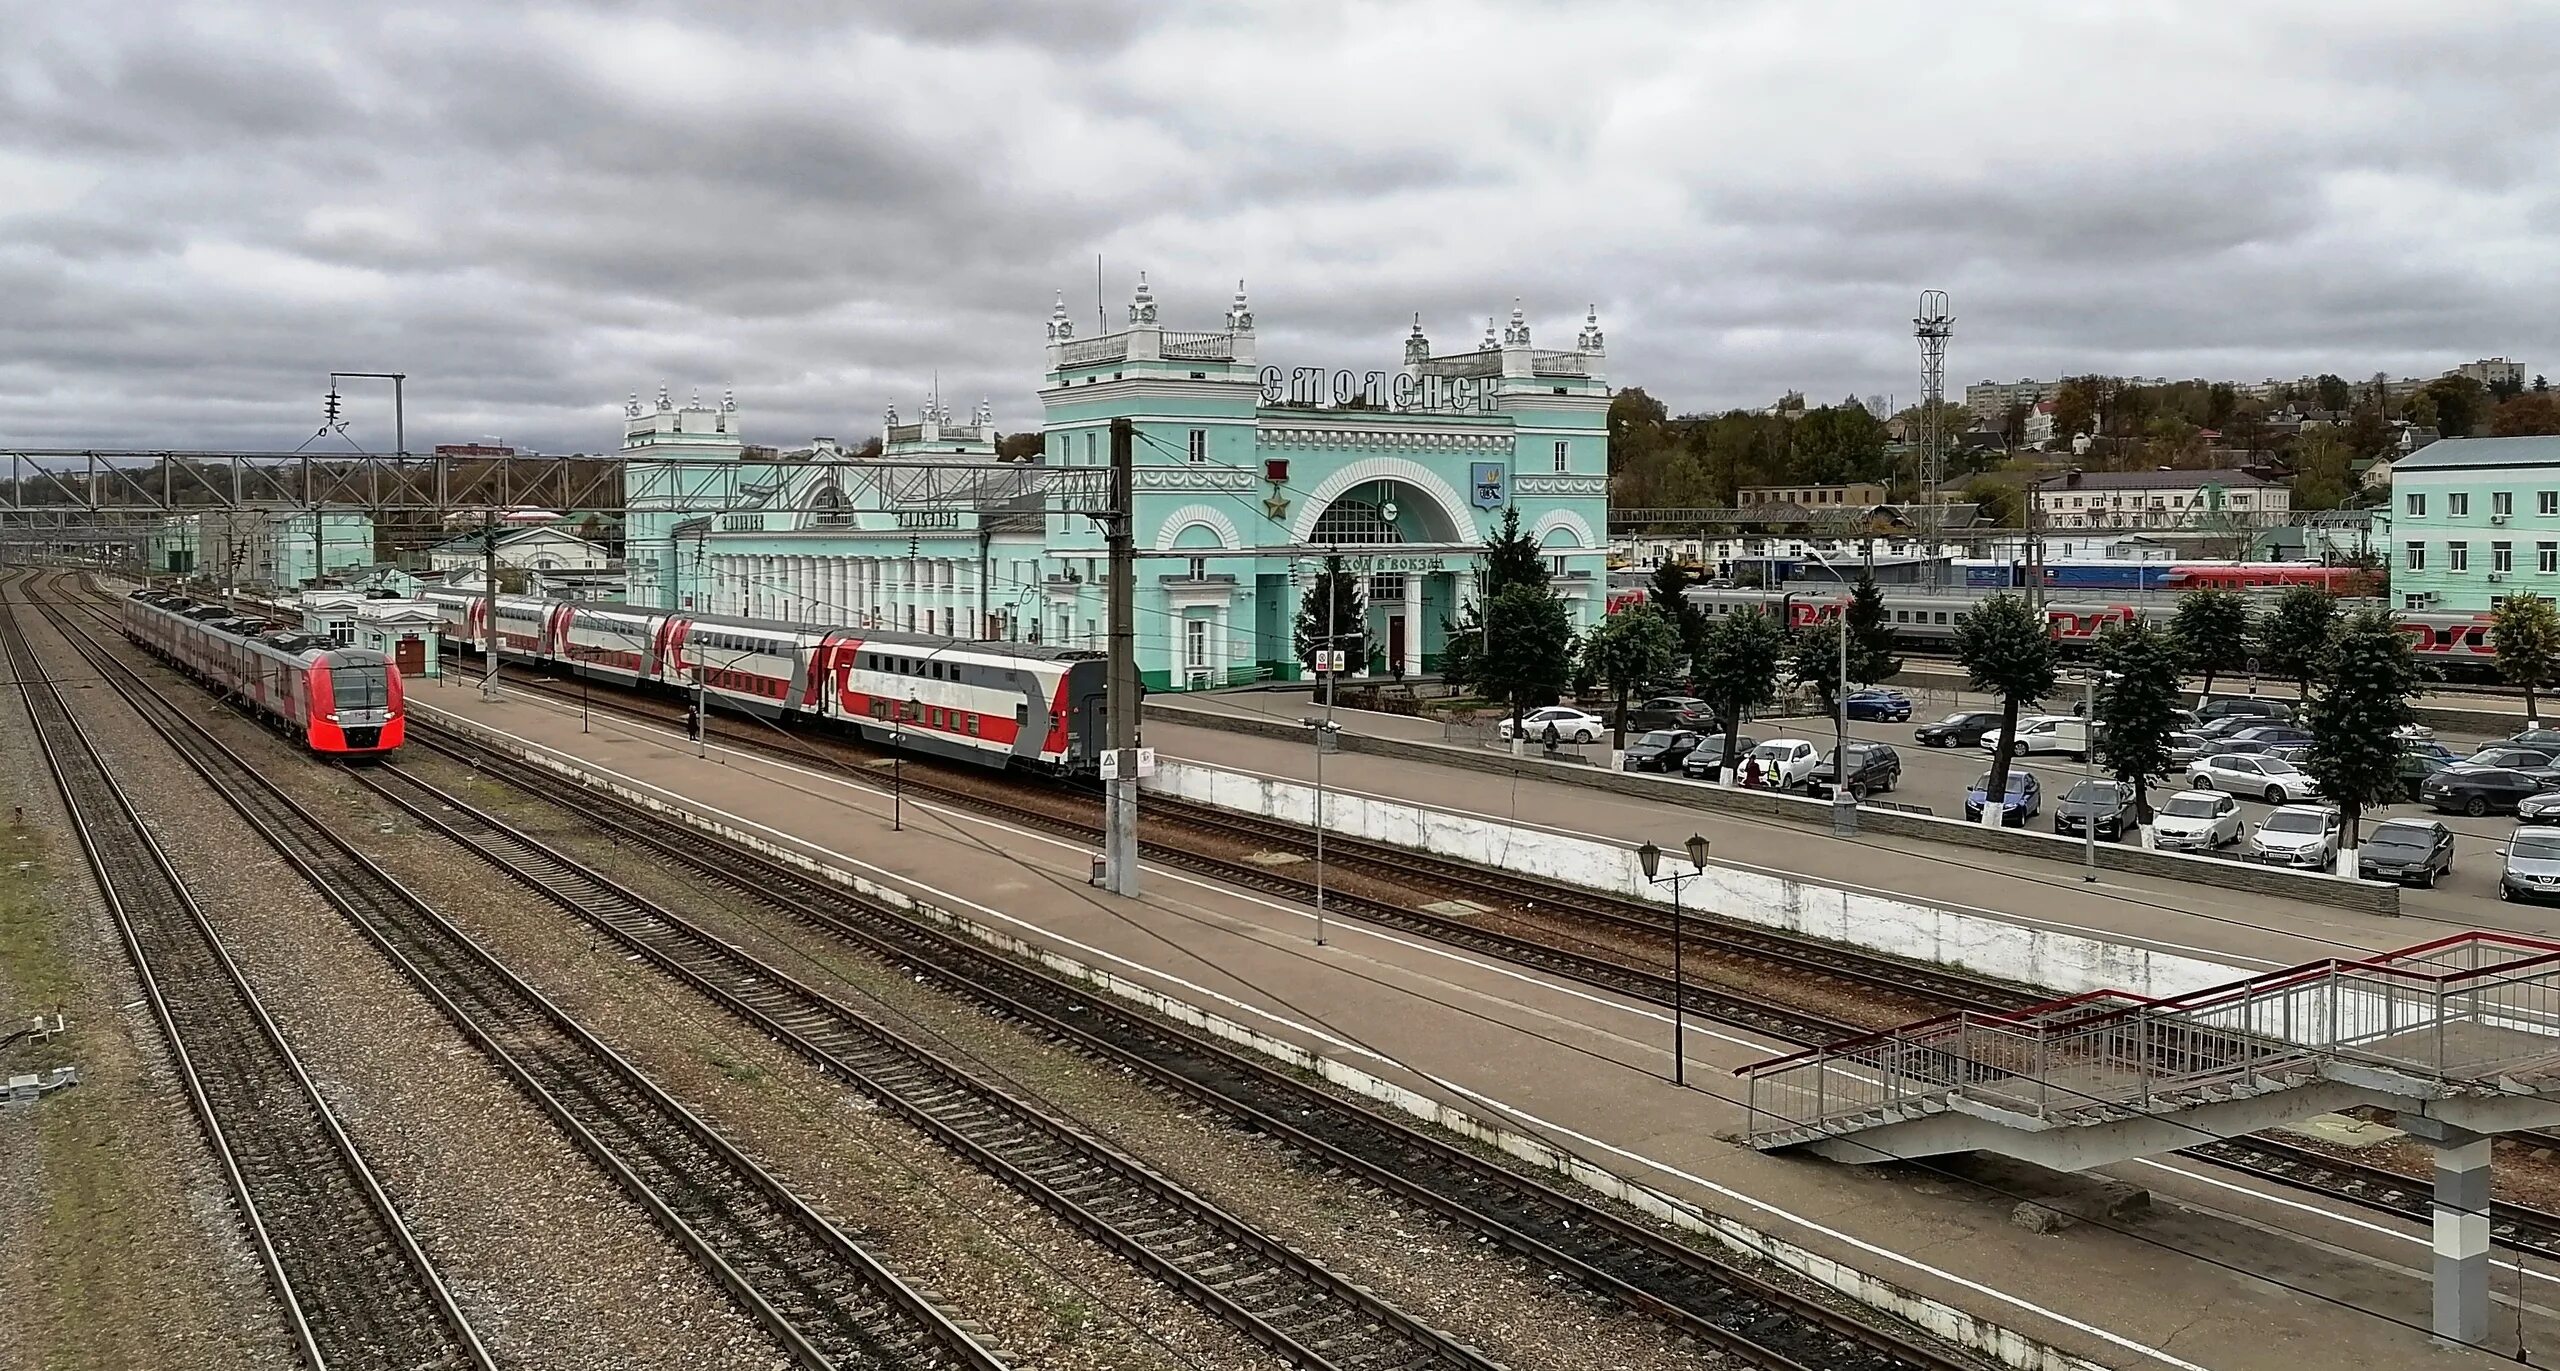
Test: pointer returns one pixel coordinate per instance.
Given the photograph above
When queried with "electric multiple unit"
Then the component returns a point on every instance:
(996, 704)
(336, 701)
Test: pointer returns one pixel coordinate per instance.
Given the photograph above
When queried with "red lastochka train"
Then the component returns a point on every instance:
(996, 704)
(336, 701)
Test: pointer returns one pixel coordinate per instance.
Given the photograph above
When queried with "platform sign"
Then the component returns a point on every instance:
(1329, 660)
(1146, 763)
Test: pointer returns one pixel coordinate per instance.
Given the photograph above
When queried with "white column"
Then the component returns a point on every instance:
(1413, 623)
(2461, 1231)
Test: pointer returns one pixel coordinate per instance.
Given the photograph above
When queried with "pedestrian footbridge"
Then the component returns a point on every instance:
(2460, 1038)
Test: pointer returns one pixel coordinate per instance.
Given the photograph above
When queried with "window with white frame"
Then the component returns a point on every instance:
(2546, 558)
(1199, 445)
(1195, 643)
(1562, 453)
(2417, 560)
(2502, 502)
(1199, 568)
(1088, 447)
(2457, 504)
(2417, 504)
(2546, 502)
(2457, 556)
(2502, 557)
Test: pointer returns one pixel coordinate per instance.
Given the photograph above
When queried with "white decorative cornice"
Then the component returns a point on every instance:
(1197, 516)
(1564, 521)
(1559, 487)
(1191, 478)
(1389, 440)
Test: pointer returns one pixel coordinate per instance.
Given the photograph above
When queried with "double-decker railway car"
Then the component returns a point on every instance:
(993, 704)
(336, 701)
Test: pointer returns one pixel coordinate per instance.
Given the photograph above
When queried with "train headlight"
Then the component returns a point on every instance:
(331, 716)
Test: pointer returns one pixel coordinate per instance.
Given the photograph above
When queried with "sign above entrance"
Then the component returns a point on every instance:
(1396, 390)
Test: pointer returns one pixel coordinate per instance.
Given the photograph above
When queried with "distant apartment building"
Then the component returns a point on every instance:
(2159, 500)
(1988, 400)
(1854, 495)
(2474, 520)
(2493, 372)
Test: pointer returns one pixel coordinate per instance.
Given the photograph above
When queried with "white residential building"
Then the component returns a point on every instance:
(2159, 500)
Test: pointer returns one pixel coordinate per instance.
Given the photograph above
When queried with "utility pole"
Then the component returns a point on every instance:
(489, 602)
(1120, 794)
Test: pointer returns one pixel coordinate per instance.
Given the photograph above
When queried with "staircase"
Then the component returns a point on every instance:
(2465, 1030)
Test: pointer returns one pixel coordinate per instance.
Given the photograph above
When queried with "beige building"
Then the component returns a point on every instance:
(1855, 495)
(2160, 500)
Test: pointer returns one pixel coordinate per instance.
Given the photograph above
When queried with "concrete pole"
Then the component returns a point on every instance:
(2461, 1228)
(1120, 795)
(489, 604)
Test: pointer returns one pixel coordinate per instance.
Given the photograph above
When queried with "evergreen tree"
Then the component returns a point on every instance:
(1529, 658)
(2293, 638)
(1814, 657)
(1688, 622)
(2006, 651)
(2136, 704)
(1512, 558)
(2525, 631)
(1632, 650)
(2212, 632)
(2367, 679)
(1739, 672)
(1334, 614)
(1871, 637)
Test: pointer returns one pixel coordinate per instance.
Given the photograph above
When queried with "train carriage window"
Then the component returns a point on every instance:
(972, 721)
(1021, 715)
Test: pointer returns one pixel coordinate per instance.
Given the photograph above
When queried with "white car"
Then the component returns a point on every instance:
(2044, 733)
(2196, 821)
(1572, 725)
(2268, 778)
(1786, 763)
(2297, 835)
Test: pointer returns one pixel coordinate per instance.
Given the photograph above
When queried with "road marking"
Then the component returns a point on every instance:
(2337, 1216)
(1324, 1036)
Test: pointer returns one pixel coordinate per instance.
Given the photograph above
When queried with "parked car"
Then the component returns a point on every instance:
(2478, 790)
(2024, 800)
(2532, 870)
(2410, 851)
(1664, 749)
(2431, 749)
(2533, 760)
(2106, 806)
(1666, 711)
(1571, 725)
(1705, 762)
(2416, 767)
(2044, 733)
(2297, 835)
(2275, 781)
(2186, 745)
(2228, 726)
(2547, 739)
(2184, 719)
(2226, 706)
(2279, 735)
(1964, 728)
(1786, 763)
(1878, 706)
(2541, 807)
(2414, 733)
(2197, 821)
(2296, 753)
(1874, 768)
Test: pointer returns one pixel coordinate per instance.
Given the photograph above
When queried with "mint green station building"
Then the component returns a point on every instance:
(1248, 474)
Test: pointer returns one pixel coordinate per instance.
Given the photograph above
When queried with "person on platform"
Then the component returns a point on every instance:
(693, 721)
(1751, 773)
(1551, 738)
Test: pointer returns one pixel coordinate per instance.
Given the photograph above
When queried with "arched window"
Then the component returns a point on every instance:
(827, 507)
(1347, 520)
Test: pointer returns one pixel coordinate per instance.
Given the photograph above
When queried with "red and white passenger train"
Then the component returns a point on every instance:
(337, 701)
(996, 704)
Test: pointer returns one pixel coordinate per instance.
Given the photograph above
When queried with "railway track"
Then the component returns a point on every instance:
(355, 1288)
(826, 1301)
(1765, 1324)
(1283, 1301)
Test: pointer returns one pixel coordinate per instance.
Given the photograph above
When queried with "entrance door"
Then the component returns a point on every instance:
(1395, 644)
(410, 654)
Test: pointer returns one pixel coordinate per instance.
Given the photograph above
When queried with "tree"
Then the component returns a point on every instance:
(2461, 404)
(1688, 622)
(2367, 680)
(2138, 704)
(1871, 637)
(1632, 650)
(1740, 672)
(2006, 651)
(2525, 631)
(2334, 393)
(2211, 630)
(1999, 502)
(1528, 657)
(2321, 467)
(1334, 614)
(2534, 412)
(2294, 636)
(1815, 659)
(1512, 558)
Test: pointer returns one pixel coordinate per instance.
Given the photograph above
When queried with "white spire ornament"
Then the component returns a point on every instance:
(1517, 334)
(1489, 344)
(1061, 328)
(1142, 306)
(1239, 314)
(1416, 347)
(1591, 340)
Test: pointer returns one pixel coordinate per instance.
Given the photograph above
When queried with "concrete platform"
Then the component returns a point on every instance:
(2198, 1283)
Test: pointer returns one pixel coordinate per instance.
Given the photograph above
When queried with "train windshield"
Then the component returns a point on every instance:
(365, 685)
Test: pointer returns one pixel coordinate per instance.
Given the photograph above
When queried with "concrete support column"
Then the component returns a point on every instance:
(2461, 1228)
(1413, 623)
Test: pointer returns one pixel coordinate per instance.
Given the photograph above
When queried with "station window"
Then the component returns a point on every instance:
(2502, 502)
(2546, 558)
(2417, 557)
(1199, 445)
(2458, 504)
(2546, 502)
(2417, 504)
(2502, 557)
(1562, 453)
(2457, 556)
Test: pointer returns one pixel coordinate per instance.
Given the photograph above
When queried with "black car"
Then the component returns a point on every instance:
(2410, 851)
(2416, 767)
(1667, 711)
(2477, 790)
(2547, 739)
(1964, 728)
(1660, 750)
(2532, 760)
(2278, 735)
(2104, 805)
(2228, 726)
(2228, 706)
(1705, 760)
(1874, 768)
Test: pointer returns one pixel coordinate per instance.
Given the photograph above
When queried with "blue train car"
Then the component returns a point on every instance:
(1990, 575)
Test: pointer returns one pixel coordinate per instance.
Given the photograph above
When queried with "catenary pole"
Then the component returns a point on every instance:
(1120, 794)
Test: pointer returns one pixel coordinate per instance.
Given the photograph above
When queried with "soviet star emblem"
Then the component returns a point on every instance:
(1275, 508)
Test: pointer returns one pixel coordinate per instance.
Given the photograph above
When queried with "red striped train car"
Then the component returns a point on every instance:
(336, 701)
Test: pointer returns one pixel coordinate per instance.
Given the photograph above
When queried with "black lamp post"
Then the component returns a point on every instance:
(1649, 857)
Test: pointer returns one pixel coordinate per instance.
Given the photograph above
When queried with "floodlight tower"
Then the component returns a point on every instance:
(1933, 326)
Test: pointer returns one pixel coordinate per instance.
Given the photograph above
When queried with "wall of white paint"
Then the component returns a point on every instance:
(2065, 963)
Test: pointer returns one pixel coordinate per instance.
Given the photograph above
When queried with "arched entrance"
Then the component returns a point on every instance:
(1381, 512)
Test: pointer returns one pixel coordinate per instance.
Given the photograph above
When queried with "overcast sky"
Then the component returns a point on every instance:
(533, 210)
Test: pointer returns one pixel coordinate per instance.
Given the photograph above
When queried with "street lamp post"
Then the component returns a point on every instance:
(2089, 777)
(1649, 857)
(1844, 805)
(1324, 730)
